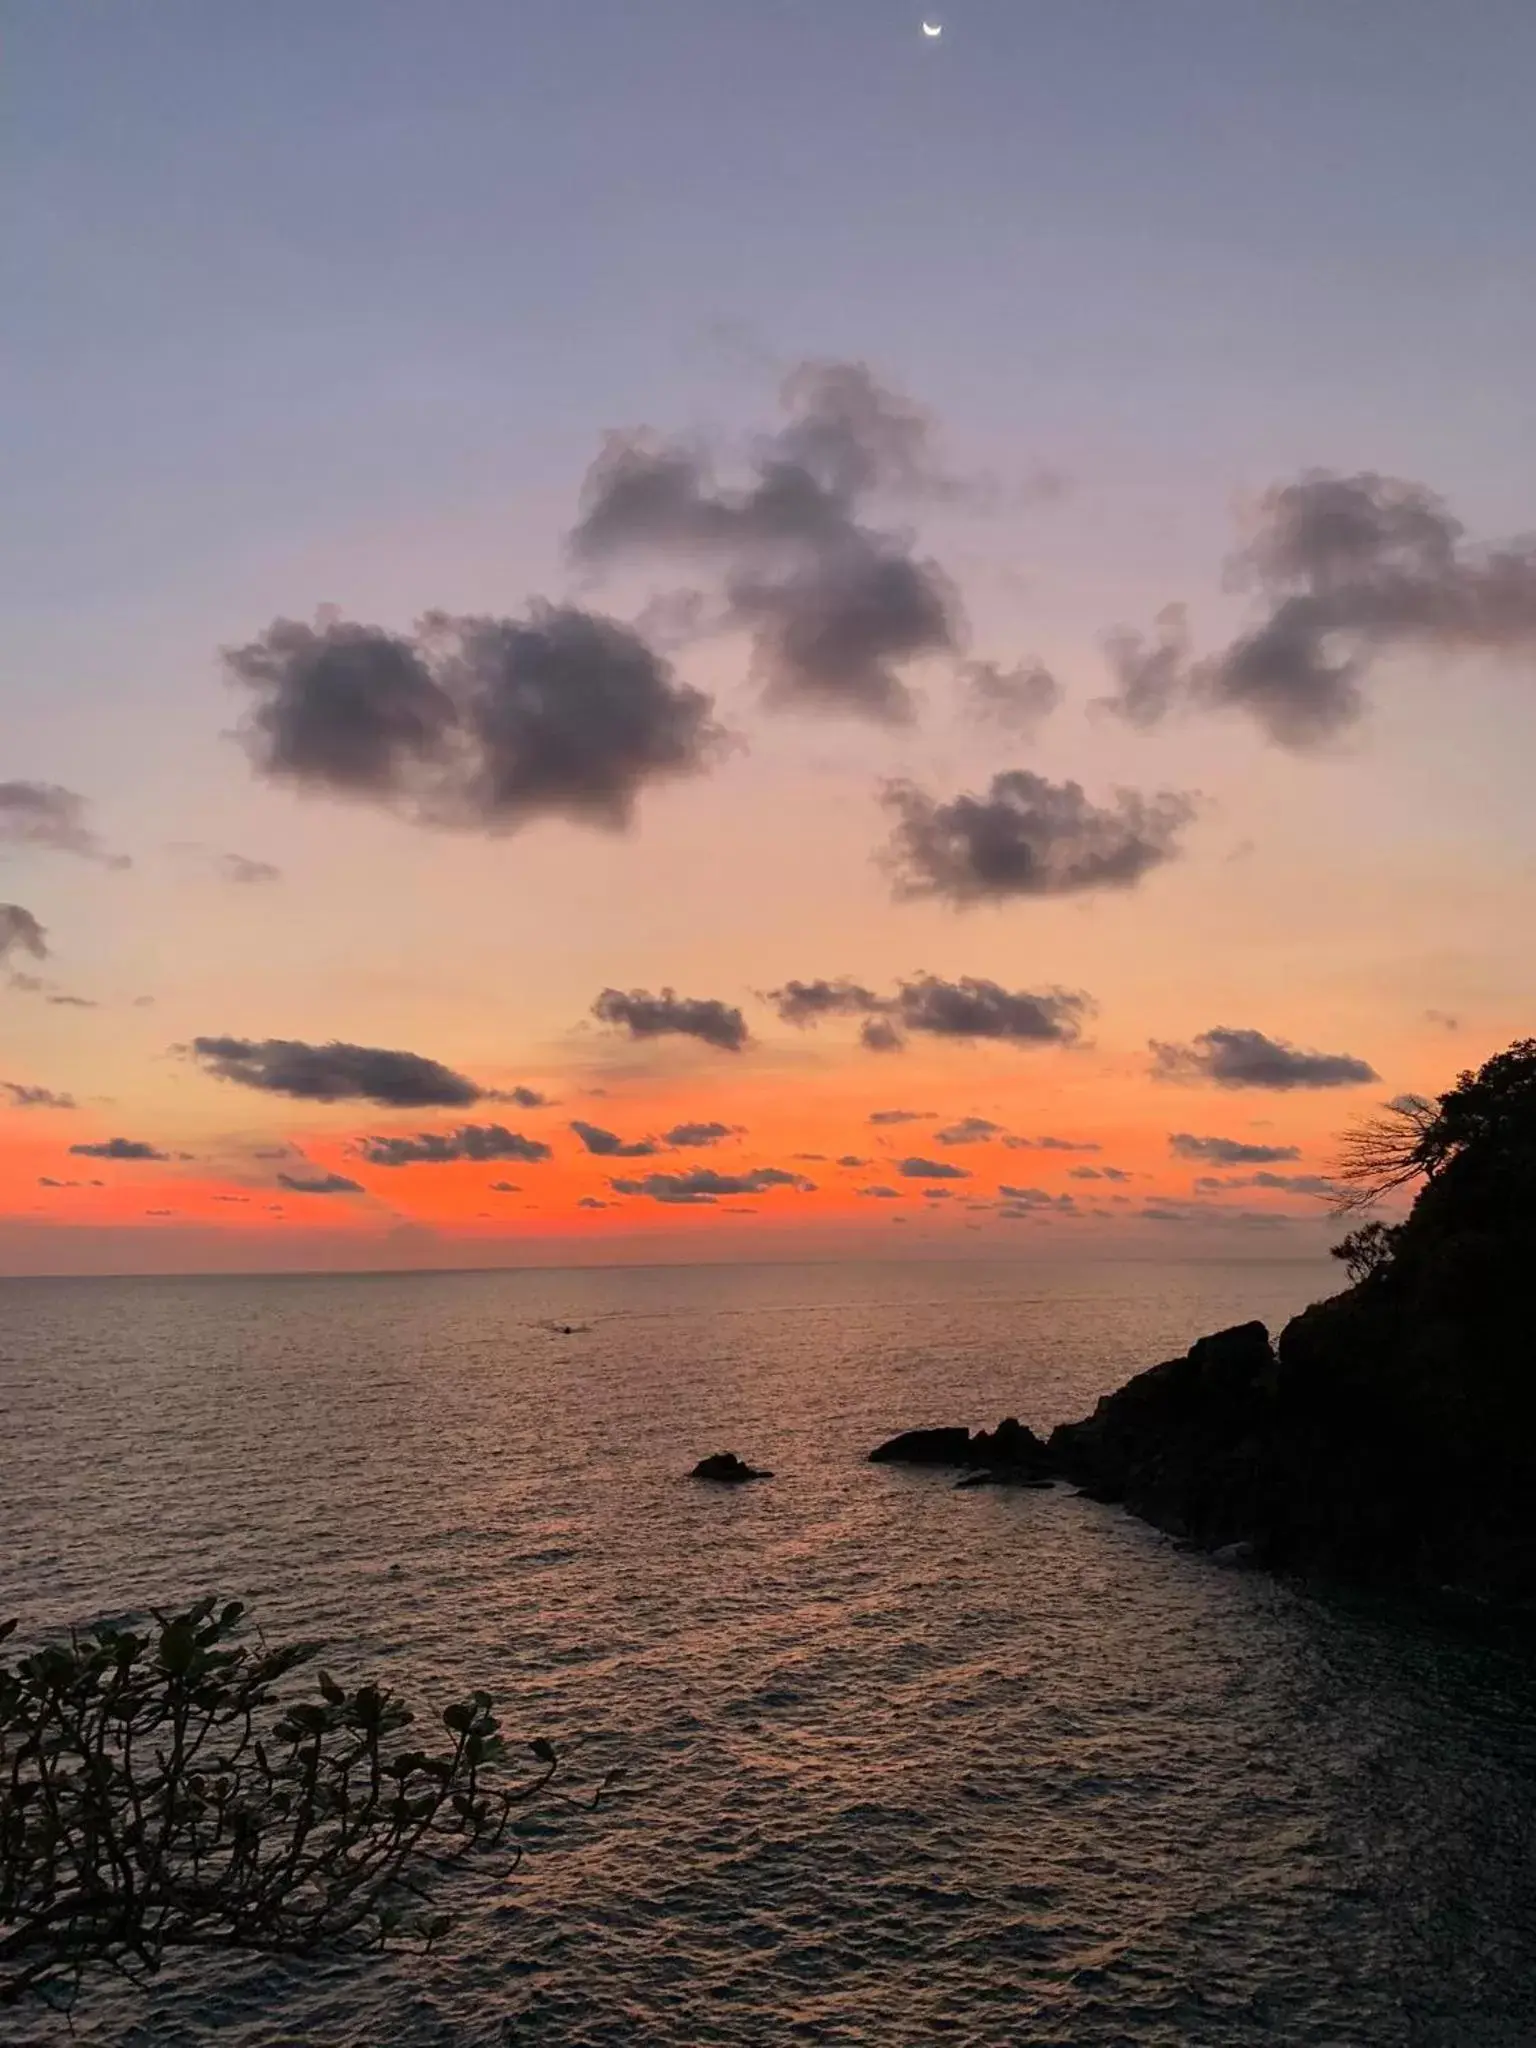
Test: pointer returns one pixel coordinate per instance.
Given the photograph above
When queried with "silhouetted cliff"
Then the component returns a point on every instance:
(1391, 1434)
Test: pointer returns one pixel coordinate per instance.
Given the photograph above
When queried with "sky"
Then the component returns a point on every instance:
(727, 630)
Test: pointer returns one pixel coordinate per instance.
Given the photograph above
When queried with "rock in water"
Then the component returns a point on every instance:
(925, 1447)
(726, 1469)
(1010, 1452)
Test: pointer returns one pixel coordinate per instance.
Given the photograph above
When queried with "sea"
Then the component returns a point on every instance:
(903, 1764)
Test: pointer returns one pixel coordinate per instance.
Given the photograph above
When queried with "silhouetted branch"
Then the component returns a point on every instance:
(154, 1794)
(1388, 1151)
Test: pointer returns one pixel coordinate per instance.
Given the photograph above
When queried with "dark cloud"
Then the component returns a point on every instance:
(832, 632)
(1017, 699)
(1051, 1145)
(479, 1142)
(43, 814)
(1247, 1059)
(970, 1130)
(337, 1072)
(851, 1159)
(688, 1135)
(1443, 1018)
(609, 1145)
(591, 1202)
(836, 607)
(119, 1148)
(807, 1002)
(1209, 1212)
(24, 1096)
(506, 1187)
(643, 1015)
(968, 1008)
(1289, 1183)
(1029, 1204)
(319, 1184)
(1033, 1201)
(1151, 675)
(20, 932)
(879, 1034)
(702, 1184)
(938, 1194)
(1027, 837)
(474, 723)
(880, 1194)
(524, 1098)
(900, 1116)
(1228, 1151)
(68, 1002)
(974, 1008)
(235, 867)
(1347, 569)
(931, 1169)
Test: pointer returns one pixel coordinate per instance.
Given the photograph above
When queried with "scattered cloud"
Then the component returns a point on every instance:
(524, 1098)
(24, 1096)
(687, 1136)
(1036, 1201)
(974, 1008)
(970, 1130)
(851, 1159)
(931, 1169)
(44, 815)
(807, 1002)
(1443, 1018)
(1288, 1183)
(879, 1034)
(836, 607)
(478, 1142)
(703, 1185)
(20, 932)
(1052, 1145)
(880, 1194)
(506, 1187)
(319, 1184)
(235, 867)
(591, 1202)
(609, 1145)
(643, 1015)
(900, 1116)
(1027, 837)
(967, 1008)
(1018, 699)
(1347, 569)
(336, 1072)
(119, 1148)
(1228, 1151)
(938, 1194)
(1151, 674)
(1232, 1058)
(69, 1002)
(473, 723)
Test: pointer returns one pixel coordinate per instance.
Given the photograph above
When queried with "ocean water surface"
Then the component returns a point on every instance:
(904, 1765)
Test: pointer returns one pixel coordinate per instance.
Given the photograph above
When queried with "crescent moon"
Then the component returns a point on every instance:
(933, 28)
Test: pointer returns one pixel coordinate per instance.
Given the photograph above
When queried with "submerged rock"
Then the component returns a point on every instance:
(726, 1469)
